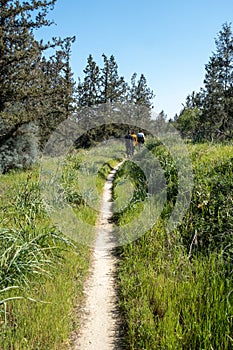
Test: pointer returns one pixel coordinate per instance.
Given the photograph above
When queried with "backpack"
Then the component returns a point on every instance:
(140, 137)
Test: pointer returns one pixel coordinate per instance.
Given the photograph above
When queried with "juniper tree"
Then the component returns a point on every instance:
(113, 87)
(213, 105)
(59, 96)
(140, 93)
(88, 92)
(110, 93)
(19, 59)
(189, 120)
(140, 97)
(218, 103)
(29, 84)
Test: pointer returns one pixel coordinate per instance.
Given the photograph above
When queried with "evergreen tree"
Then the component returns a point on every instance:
(140, 97)
(89, 89)
(19, 58)
(189, 120)
(188, 123)
(213, 106)
(140, 93)
(30, 85)
(218, 102)
(59, 93)
(113, 87)
(111, 95)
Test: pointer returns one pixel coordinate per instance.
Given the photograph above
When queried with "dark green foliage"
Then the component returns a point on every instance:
(58, 102)
(104, 85)
(21, 150)
(32, 87)
(104, 97)
(113, 87)
(101, 85)
(187, 123)
(140, 93)
(208, 115)
(89, 90)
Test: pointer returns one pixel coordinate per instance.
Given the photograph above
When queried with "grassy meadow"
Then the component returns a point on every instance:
(175, 288)
(42, 271)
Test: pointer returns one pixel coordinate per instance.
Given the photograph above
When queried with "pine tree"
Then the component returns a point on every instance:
(189, 120)
(20, 53)
(59, 93)
(113, 87)
(111, 95)
(89, 89)
(218, 103)
(140, 93)
(213, 106)
(30, 85)
(140, 97)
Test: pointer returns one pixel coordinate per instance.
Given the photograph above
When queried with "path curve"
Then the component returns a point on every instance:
(99, 327)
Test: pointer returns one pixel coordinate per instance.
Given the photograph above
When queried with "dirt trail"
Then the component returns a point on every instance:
(99, 320)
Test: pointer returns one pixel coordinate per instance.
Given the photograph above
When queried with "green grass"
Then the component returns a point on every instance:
(42, 271)
(175, 289)
(47, 322)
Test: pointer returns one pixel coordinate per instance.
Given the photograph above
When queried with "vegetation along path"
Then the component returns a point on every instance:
(99, 321)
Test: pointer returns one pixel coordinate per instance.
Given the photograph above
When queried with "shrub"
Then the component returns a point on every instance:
(21, 151)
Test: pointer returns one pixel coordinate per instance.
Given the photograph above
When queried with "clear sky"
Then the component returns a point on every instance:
(169, 41)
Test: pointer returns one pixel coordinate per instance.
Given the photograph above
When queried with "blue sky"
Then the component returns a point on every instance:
(169, 41)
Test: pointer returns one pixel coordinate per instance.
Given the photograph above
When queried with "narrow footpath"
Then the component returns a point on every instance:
(99, 327)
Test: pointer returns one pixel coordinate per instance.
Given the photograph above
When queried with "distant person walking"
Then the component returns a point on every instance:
(135, 141)
(140, 138)
(128, 144)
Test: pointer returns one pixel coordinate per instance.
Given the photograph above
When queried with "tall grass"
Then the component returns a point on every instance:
(175, 290)
(42, 271)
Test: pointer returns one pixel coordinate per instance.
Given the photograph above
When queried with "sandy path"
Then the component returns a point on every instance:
(99, 320)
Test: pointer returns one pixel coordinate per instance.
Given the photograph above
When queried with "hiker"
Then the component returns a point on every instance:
(128, 144)
(140, 138)
(135, 141)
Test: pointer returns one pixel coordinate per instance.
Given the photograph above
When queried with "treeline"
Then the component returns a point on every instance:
(208, 114)
(38, 92)
(103, 85)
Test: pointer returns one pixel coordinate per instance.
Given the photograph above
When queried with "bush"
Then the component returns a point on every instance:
(20, 151)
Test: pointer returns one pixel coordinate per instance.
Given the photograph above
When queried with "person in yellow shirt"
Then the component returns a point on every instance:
(135, 141)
